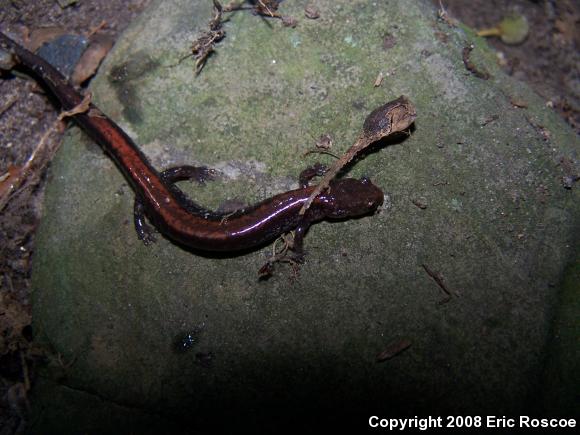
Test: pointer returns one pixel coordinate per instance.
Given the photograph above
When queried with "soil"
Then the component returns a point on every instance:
(547, 60)
(25, 117)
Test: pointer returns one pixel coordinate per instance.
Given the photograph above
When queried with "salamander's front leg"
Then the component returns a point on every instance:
(201, 174)
(317, 170)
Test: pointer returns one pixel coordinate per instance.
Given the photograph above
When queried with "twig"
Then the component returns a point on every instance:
(266, 8)
(438, 278)
(8, 105)
(96, 29)
(41, 155)
(395, 116)
(320, 151)
(83, 107)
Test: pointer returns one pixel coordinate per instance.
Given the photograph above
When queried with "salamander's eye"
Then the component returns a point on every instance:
(365, 180)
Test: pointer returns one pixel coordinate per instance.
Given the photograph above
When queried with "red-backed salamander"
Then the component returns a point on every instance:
(175, 215)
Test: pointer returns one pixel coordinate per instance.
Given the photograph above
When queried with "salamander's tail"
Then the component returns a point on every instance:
(13, 53)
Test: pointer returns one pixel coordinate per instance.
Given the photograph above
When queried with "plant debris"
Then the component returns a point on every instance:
(512, 30)
(518, 103)
(323, 145)
(311, 12)
(393, 349)
(324, 141)
(489, 120)
(444, 16)
(470, 66)
(284, 255)
(393, 117)
(268, 8)
(571, 174)
(420, 203)
(99, 46)
(43, 35)
(389, 41)
(540, 129)
(438, 278)
(204, 46)
(28, 176)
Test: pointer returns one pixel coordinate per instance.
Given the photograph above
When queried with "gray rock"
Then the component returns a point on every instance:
(498, 225)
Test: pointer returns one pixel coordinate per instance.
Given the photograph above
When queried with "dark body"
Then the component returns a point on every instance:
(175, 215)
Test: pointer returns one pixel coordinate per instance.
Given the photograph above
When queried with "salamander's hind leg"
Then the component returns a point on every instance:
(143, 229)
(292, 252)
(297, 249)
(170, 176)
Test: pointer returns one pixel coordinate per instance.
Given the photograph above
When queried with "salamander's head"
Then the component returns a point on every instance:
(351, 198)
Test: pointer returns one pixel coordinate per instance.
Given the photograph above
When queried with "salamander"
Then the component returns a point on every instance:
(175, 215)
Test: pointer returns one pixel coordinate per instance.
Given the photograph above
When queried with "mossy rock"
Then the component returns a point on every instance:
(498, 226)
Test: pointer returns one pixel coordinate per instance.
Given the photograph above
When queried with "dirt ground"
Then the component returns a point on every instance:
(547, 60)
